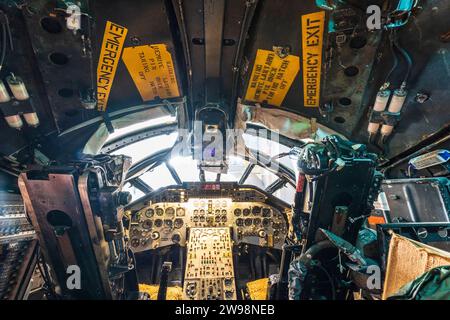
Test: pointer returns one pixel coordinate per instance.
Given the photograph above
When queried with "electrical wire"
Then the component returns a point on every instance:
(395, 63)
(408, 60)
(6, 38)
(3, 55)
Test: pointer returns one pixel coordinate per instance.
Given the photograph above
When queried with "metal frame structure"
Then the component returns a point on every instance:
(284, 174)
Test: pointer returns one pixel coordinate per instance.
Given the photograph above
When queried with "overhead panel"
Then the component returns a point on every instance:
(112, 45)
(277, 35)
(152, 70)
(148, 65)
(301, 29)
(271, 77)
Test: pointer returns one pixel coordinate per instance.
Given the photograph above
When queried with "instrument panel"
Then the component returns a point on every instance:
(167, 223)
(209, 268)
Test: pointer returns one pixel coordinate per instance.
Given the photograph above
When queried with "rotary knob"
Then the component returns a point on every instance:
(155, 235)
(176, 238)
(135, 242)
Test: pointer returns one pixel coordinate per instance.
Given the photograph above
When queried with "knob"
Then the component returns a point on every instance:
(147, 224)
(155, 235)
(124, 198)
(149, 213)
(135, 242)
(176, 238)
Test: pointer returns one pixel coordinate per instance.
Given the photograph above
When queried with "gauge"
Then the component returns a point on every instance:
(147, 224)
(178, 223)
(217, 218)
(168, 223)
(170, 212)
(237, 212)
(257, 221)
(195, 219)
(266, 212)
(266, 222)
(135, 232)
(149, 213)
(248, 222)
(224, 218)
(217, 211)
(202, 218)
(202, 211)
(239, 222)
(135, 242)
(256, 210)
(159, 211)
(246, 212)
(158, 223)
(180, 212)
(176, 238)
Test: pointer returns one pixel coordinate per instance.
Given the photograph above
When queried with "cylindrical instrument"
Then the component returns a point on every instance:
(14, 121)
(4, 95)
(31, 118)
(379, 106)
(17, 87)
(395, 106)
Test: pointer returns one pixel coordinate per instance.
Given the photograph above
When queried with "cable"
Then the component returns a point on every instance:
(408, 60)
(395, 64)
(6, 35)
(2, 58)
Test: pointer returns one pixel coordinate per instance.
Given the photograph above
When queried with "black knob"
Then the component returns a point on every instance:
(124, 198)
(176, 238)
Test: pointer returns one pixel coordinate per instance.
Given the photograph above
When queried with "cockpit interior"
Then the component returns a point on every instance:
(224, 150)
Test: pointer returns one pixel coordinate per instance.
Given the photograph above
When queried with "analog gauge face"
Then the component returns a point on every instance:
(248, 222)
(266, 212)
(158, 223)
(149, 213)
(224, 218)
(178, 223)
(246, 212)
(217, 219)
(224, 211)
(170, 212)
(217, 211)
(159, 211)
(266, 222)
(239, 222)
(168, 223)
(256, 210)
(176, 238)
(237, 212)
(180, 212)
(135, 242)
(147, 224)
(135, 232)
(257, 221)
